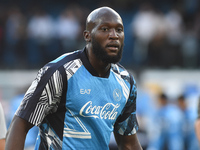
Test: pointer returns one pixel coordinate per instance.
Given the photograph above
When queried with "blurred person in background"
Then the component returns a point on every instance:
(79, 99)
(197, 123)
(190, 46)
(174, 26)
(2, 30)
(147, 25)
(190, 140)
(68, 29)
(144, 29)
(3, 128)
(168, 120)
(15, 37)
(41, 46)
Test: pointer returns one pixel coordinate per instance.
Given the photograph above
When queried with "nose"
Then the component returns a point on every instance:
(113, 34)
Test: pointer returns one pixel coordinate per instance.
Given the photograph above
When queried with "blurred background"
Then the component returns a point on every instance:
(162, 50)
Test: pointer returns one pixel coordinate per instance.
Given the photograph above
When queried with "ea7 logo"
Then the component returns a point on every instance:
(85, 91)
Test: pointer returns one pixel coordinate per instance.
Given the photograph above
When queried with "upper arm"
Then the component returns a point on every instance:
(16, 134)
(126, 123)
(127, 142)
(19, 123)
(2, 144)
(43, 96)
(197, 128)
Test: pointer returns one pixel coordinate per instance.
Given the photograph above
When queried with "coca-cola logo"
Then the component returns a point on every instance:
(108, 111)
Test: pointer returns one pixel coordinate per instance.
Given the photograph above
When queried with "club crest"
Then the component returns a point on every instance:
(117, 95)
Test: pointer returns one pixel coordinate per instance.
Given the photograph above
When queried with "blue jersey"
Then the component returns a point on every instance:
(76, 109)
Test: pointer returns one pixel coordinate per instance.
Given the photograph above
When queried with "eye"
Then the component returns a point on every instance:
(119, 30)
(104, 29)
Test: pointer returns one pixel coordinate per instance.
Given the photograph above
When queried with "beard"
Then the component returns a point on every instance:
(101, 54)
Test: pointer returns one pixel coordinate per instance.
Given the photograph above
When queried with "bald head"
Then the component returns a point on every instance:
(97, 15)
(104, 36)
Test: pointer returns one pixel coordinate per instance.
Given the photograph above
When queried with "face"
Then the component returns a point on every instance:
(107, 39)
(104, 55)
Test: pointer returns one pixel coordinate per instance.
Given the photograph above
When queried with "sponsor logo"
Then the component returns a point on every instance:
(108, 111)
(85, 91)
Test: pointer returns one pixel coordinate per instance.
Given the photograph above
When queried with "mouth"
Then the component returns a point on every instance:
(113, 47)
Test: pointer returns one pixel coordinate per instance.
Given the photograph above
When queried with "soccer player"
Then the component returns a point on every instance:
(81, 97)
(2, 129)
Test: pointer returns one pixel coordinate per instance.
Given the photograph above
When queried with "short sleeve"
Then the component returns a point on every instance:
(3, 128)
(126, 123)
(42, 97)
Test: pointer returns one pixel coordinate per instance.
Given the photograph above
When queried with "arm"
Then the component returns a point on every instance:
(127, 142)
(126, 125)
(16, 134)
(197, 128)
(2, 144)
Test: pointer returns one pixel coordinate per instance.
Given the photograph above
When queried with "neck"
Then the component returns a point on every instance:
(100, 67)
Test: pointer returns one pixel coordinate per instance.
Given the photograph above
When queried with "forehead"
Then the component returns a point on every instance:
(109, 19)
(103, 16)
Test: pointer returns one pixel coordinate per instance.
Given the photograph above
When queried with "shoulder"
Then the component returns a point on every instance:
(63, 59)
(123, 73)
(58, 63)
(66, 57)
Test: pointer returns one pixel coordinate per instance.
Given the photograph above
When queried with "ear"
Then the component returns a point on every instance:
(87, 36)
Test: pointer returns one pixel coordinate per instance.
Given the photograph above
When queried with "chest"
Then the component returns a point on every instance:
(94, 97)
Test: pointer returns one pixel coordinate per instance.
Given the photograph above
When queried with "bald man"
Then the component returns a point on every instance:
(80, 98)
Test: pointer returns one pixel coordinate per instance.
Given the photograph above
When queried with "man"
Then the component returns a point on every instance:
(78, 99)
(189, 117)
(168, 121)
(2, 129)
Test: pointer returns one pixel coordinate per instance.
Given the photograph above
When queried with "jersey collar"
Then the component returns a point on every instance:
(88, 66)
